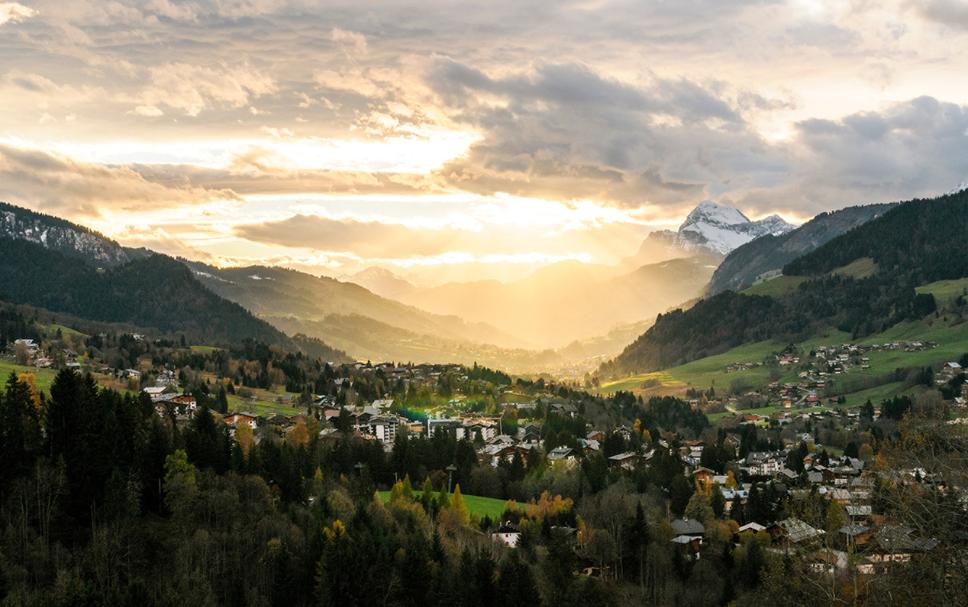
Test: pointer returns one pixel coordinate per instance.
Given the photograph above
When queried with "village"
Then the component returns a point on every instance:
(765, 479)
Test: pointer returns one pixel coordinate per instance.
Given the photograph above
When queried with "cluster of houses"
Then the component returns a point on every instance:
(876, 540)
(28, 352)
(816, 373)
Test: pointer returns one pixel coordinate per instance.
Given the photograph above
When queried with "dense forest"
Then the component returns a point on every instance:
(918, 242)
(104, 502)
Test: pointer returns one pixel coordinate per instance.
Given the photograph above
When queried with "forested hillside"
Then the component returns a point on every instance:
(153, 292)
(919, 241)
(861, 282)
(770, 253)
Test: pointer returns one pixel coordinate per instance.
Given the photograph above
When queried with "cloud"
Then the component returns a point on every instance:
(13, 12)
(250, 175)
(364, 238)
(148, 111)
(563, 130)
(637, 105)
(950, 13)
(347, 38)
(194, 88)
(913, 148)
(62, 185)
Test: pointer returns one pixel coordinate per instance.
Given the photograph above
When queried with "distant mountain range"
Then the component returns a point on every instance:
(561, 316)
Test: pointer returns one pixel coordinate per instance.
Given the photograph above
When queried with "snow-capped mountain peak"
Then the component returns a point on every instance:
(710, 212)
(718, 228)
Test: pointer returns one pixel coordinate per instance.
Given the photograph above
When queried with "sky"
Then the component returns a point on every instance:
(466, 140)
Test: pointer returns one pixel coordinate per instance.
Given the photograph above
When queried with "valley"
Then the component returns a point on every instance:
(503, 304)
(729, 408)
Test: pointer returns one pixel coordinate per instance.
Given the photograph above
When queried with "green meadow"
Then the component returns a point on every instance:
(43, 378)
(481, 506)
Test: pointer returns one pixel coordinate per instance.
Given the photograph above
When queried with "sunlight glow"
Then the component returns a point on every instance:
(395, 154)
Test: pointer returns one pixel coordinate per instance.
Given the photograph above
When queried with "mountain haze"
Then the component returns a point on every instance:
(381, 281)
(279, 292)
(570, 301)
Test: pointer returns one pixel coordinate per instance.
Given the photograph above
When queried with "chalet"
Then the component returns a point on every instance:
(493, 454)
(507, 534)
(858, 512)
(841, 496)
(795, 531)
(562, 454)
(761, 463)
(703, 475)
(155, 393)
(27, 346)
(855, 535)
(186, 401)
(382, 403)
(688, 527)
(234, 419)
(441, 424)
(897, 544)
(564, 409)
(625, 461)
(754, 527)
(588, 447)
(484, 427)
(625, 432)
(329, 413)
(330, 435)
(689, 545)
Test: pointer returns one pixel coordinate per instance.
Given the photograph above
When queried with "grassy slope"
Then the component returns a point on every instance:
(945, 291)
(710, 371)
(481, 506)
(42, 377)
(263, 405)
(859, 268)
(52, 328)
(775, 287)
(951, 337)
(205, 349)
